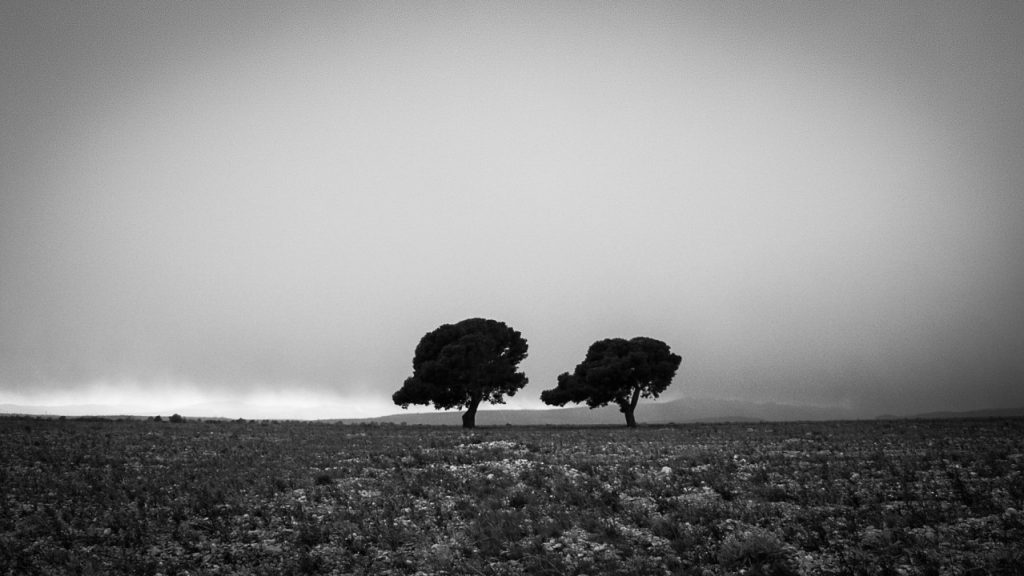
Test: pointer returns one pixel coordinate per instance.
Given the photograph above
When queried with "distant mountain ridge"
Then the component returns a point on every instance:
(211, 410)
(674, 411)
(945, 415)
(683, 410)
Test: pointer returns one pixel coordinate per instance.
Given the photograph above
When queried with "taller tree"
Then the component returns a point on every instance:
(617, 371)
(461, 365)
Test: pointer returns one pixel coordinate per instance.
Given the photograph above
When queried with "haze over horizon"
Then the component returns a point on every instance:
(811, 203)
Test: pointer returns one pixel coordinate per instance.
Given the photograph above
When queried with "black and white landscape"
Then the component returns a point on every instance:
(660, 287)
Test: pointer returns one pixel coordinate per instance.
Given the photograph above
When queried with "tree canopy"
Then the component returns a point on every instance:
(617, 371)
(461, 365)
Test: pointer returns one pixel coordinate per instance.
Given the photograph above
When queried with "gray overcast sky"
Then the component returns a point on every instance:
(810, 202)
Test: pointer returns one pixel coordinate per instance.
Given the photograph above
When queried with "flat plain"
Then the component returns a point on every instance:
(91, 496)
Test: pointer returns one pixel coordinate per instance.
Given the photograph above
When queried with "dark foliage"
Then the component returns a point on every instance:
(461, 365)
(617, 371)
(613, 370)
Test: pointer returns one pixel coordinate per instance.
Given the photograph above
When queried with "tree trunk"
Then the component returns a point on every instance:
(630, 420)
(629, 409)
(469, 418)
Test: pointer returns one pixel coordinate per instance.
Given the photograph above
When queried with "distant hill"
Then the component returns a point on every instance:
(206, 411)
(679, 411)
(674, 411)
(990, 413)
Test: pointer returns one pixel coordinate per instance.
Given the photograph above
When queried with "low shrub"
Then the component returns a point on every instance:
(757, 552)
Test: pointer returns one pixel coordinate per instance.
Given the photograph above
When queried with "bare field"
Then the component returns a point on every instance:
(143, 497)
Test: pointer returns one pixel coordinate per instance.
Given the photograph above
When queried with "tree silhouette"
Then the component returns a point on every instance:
(619, 371)
(461, 365)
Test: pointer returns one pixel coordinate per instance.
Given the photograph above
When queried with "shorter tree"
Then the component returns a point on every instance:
(461, 365)
(620, 371)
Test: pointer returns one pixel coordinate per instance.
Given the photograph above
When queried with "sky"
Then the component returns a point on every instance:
(268, 204)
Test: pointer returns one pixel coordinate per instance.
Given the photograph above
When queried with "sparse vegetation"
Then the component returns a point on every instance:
(139, 497)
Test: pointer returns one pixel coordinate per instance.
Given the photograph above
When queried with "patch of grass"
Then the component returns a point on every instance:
(139, 496)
